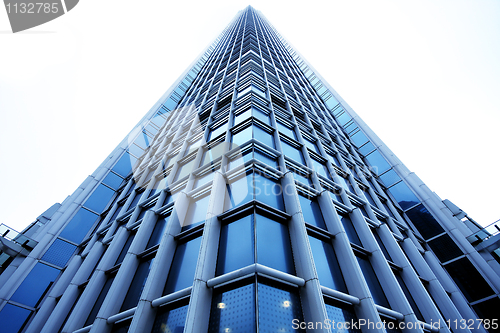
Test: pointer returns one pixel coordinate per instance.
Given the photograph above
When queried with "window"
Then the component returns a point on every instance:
(125, 248)
(217, 130)
(171, 318)
(340, 313)
(276, 306)
(311, 212)
(213, 152)
(253, 89)
(35, 285)
(253, 132)
(285, 129)
(255, 238)
(373, 282)
(255, 185)
(292, 152)
(252, 112)
(13, 318)
(185, 168)
(350, 230)
(183, 266)
(158, 231)
(100, 300)
(327, 266)
(196, 213)
(320, 168)
(253, 151)
(136, 287)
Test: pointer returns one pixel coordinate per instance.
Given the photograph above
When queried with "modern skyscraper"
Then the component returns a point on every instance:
(250, 197)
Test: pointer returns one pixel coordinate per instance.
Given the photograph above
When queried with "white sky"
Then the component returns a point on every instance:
(423, 74)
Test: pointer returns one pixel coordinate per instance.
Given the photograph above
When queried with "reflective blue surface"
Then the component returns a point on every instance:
(113, 180)
(137, 285)
(171, 321)
(99, 301)
(373, 283)
(327, 266)
(233, 311)
(125, 248)
(59, 253)
(377, 162)
(425, 223)
(158, 231)
(236, 249)
(35, 285)
(273, 245)
(277, 309)
(350, 231)
(341, 315)
(291, 152)
(268, 191)
(183, 267)
(403, 195)
(12, 318)
(311, 212)
(99, 199)
(79, 225)
(196, 213)
(124, 165)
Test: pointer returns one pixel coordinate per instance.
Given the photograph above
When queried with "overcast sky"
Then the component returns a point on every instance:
(424, 75)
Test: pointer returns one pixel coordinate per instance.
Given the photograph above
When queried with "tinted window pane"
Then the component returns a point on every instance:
(266, 159)
(273, 245)
(137, 285)
(79, 225)
(311, 212)
(158, 231)
(342, 315)
(113, 180)
(261, 116)
(35, 285)
(99, 301)
(170, 320)
(373, 283)
(327, 265)
(243, 136)
(468, 279)
(124, 165)
(286, 130)
(183, 266)
(59, 253)
(268, 191)
(424, 222)
(197, 212)
(377, 162)
(445, 248)
(277, 309)
(136, 200)
(350, 231)
(240, 190)
(234, 311)
(125, 248)
(12, 318)
(403, 195)
(263, 136)
(236, 248)
(292, 152)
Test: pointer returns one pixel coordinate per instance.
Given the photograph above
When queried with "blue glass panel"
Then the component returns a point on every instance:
(263, 136)
(343, 119)
(291, 152)
(239, 118)
(217, 131)
(261, 116)
(266, 159)
(124, 165)
(469, 280)
(341, 315)
(320, 168)
(183, 266)
(359, 139)
(38, 282)
(240, 190)
(196, 213)
(377, 162)
(59, 253)
(403, 195)
(311, 212)
(170, 104)
(99, 199)
(273, 245)
(113, 180)
(311, 145)
(327, 265)
(158, 231)
(171, 321)
(389, 178)
(125, 248)
(79, 225)
(158, 120)
(185, 169)
(99, 301)
(286, 130)
(136, 200)
(331, 102)
(277, 309)
(268, 191)
(243, 136)
(367, 148)
(137, 285)
(369, 198)
(234, 311)
(135, 150)
(236, 248)
(350, 231)
(373, 283)
(13, 318)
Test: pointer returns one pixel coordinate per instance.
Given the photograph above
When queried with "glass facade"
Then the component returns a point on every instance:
(249, 200)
